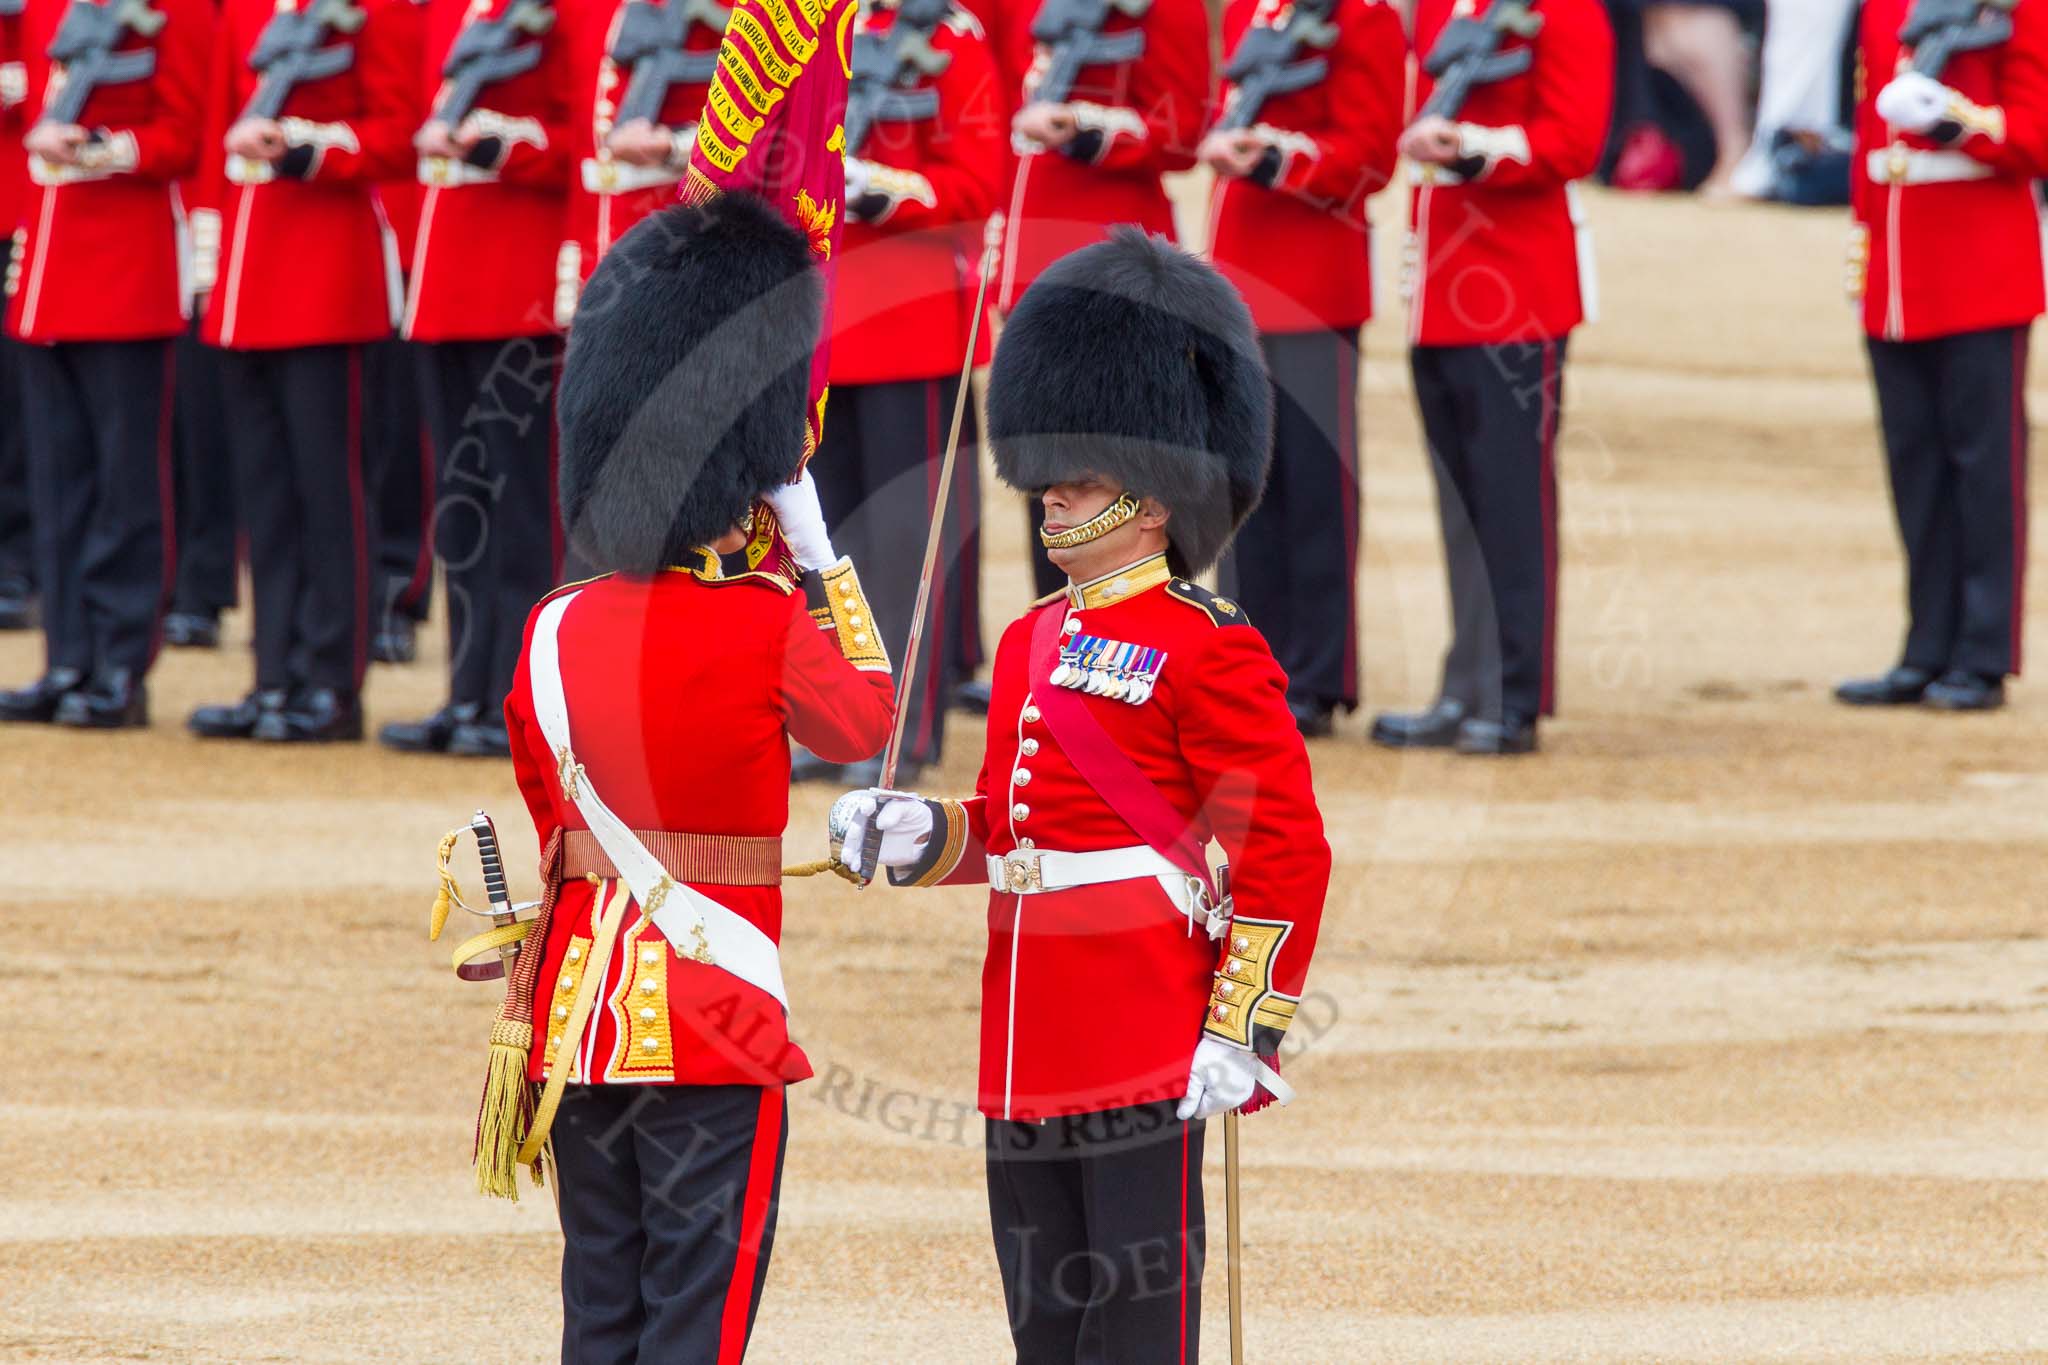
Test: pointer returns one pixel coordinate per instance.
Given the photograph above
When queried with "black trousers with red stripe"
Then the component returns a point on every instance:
(401, 481)
(99, 479)
(1954, 415)
(1294, 566)
(17, 526)
(204, 480)
(1100, 1236)
(490, 408)
(295, 425)
(877, 472)
(668, 1198)
(1490, 415)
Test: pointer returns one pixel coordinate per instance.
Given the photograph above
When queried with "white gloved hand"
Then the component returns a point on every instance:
(803, 523)
(1222, 1078)
(1914, 102)
(905, 823)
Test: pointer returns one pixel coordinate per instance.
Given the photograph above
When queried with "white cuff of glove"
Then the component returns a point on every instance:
(905, 823)
(1222, 1078)
(803, 523)
(1914, 102)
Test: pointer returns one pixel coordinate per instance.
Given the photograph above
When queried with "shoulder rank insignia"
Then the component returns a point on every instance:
(1222, 610)
(1109, 668)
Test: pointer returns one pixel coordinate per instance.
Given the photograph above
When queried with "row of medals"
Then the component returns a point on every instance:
(1105, 668)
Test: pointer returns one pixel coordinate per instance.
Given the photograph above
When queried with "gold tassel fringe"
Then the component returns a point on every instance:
(506, 1111)
(445, 898)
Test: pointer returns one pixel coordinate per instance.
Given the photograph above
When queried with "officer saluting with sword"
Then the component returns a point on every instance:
(1128, 994)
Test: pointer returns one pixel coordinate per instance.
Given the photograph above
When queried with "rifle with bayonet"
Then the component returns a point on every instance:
(1468, 55)
(1937, 30)
(1268, 61)
(293, 49)
(651, 42)
(488, 51)
(84, 50)
(1071, 33)
(886, 68)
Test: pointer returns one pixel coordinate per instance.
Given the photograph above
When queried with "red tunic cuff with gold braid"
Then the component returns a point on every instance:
(951, 842)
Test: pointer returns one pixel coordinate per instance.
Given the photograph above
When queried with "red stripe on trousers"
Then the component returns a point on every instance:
(1349, 499)
(356, 513)
(2019, 496)
(1183, 1242)
(1548, 478)
(739, 1295)
(167, 501)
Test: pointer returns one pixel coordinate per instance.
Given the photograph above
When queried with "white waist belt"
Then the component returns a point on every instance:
(1905, 166)
(1030, 871)
(622, 177)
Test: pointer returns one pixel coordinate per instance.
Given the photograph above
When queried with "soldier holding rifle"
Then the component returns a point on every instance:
(1950, 135)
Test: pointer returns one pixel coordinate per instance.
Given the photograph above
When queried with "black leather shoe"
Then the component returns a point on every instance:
(1314, 720)
(1903, 686)
(38, 702)
(1436, 728)
(1508, 735)
(805, 766)
(973, 696)
(432, 735)
(480, 740)
(236, 720)
(17, 604)
(1959, 691)
(394, 644)
(113, 701)
(322, 715)
(192, 630)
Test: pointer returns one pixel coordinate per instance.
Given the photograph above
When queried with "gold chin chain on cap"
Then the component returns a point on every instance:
(1101, 524)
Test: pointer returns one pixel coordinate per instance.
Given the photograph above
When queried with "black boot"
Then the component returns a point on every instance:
(1508, 735)
(394, 643)
(481, 739)
(236, 720)
(432, 735)
(320, 715)
(192, 630)
(112, 701)
(972, 696)
(868, 773)
(1959, 691)
(1313, 719)
(805, 766)
(1436, 728)
(1903, 686)
(38, 702)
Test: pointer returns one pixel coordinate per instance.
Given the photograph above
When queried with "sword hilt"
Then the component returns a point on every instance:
(493, 860)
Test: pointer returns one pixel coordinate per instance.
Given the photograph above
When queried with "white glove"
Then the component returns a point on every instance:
(803, 523)
(1223, 1077)
(1914, 102)
(906, 826)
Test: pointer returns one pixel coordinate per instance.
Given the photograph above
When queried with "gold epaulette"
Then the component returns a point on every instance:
(1220, 610)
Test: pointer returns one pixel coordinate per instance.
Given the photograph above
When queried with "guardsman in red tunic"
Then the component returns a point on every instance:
(924, 155)
(1951, 133)
(642, 70)
(401, 470)
(1114, 97)
(495, 161)
(17, 537)
(1135, 718)
(315, 103)
(118, 92)
(651, 721)
(1514, 104)
(1311, 112)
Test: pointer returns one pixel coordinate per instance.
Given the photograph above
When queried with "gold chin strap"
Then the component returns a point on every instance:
(1101, 524)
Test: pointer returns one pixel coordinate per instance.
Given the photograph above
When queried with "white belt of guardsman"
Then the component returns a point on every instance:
(1907, 166)
(1031, 871)
(622, 177)
(697, 925)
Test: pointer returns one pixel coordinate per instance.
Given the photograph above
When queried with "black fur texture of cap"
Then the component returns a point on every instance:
(684, 391)
(1133, 361)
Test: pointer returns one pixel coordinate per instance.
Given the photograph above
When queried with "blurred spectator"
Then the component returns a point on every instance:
(1681, 92)
(1802, 136)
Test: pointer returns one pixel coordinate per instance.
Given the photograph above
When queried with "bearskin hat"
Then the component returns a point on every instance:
(1133, 361)
(683, 393)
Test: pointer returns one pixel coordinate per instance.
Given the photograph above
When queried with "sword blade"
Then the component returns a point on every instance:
(1233, 1261)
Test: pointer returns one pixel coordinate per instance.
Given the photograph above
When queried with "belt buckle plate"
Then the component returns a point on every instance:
(1021, 873)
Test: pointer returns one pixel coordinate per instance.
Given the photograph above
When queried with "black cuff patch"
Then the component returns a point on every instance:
(1084, 146)
(297, 162)
(1267, 172)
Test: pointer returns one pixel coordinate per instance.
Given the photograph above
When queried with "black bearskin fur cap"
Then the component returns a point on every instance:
(1134, 361)
(684, 392)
